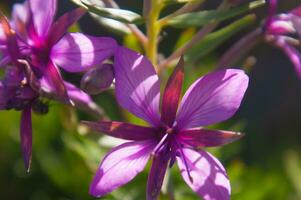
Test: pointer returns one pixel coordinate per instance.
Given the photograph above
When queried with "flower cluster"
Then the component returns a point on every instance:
(282, 31)
(33, 46)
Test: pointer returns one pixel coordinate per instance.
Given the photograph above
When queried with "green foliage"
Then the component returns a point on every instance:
(178, 1)
(204, 17)
(213, 40)
(121, 15)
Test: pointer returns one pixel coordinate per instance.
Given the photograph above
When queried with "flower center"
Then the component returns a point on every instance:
(41, 52)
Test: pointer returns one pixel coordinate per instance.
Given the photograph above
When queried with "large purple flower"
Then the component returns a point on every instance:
(175, 135)
(46, 44)
(282, 31)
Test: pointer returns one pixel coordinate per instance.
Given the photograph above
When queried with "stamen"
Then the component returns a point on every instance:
(24, 82)
(160, 144)
(169, 131)
(71, 102)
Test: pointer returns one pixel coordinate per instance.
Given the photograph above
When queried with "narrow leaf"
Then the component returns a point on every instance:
(79, 3)
(125, 16)
(204, 17)
(179, 1)
(213, 40)
(111, 24)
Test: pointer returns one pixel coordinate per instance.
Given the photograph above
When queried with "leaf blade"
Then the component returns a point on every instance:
(204, 17)
(121, 15)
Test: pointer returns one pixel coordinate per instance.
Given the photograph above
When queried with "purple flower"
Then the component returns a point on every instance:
(20, 89)
(47, 45)
(175, 134)
(282, 30)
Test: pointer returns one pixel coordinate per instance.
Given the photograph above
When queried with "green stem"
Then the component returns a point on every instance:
(153, 31)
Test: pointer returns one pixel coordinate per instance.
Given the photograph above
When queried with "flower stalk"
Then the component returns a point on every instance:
(240, 48)
(153, 31)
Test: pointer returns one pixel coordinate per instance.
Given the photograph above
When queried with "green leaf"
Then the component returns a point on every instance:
(178, 1)
(213, 40)
(112, 25)
(79, 3)
(125, 16)
(204, 17)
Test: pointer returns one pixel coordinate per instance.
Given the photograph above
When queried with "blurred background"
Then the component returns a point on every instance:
(264, 165)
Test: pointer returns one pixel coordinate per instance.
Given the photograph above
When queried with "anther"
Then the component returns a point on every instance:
(169, 131)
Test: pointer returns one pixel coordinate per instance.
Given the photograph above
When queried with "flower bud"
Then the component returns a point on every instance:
(98, 79)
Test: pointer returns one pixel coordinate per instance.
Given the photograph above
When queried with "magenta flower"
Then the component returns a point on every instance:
(282, 31)
(20, 90)
(175, 134)
(47, 45)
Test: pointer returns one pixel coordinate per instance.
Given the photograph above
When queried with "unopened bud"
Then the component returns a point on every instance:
(98, 79)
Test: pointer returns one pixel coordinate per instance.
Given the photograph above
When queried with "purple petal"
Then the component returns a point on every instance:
(156, 174)
(207, 176)
(76, 52)
(294, 56)
(43, 14)
(82, 100)
(280, 27)
(207, 138)
(172, 94)
(11, 40)
(26, 136)
(212, 98)
(137, 85)
(2, 35)
(76, 94)
(123, 130)
(4, 61)
(120, 166)
(60, 27)
(53, 81)
(20, 18)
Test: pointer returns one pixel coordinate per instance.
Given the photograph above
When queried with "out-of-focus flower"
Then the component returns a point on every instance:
(174, 134)
(30, 46)
(284, 31)
(98, 79)
(46, 44)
